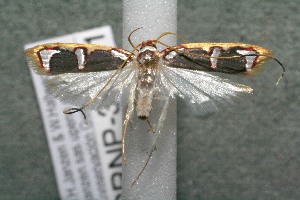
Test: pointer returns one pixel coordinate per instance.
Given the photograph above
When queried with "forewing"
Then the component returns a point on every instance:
(233, 58)
(77, 72)
(60, 58)
(199, 89)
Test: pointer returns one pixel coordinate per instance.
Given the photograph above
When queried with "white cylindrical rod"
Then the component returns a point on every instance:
(158, 181)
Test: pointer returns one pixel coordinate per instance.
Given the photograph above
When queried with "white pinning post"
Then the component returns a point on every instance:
(158, 180)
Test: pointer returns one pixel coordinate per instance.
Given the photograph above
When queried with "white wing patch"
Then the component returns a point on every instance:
(214, 60)
(80, 58)
(46, 55)
(117, 54)
(249, 59)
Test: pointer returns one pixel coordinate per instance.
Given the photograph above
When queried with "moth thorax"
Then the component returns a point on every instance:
(148, 56)
(147, 79)
(145, 92)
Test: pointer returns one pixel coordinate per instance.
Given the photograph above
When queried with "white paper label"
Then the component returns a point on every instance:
(87, 159)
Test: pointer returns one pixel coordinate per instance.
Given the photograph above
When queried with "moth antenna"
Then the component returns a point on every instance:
(129, 37)
(75, 110)
(123, 138)
(171, 33)
(283, 70)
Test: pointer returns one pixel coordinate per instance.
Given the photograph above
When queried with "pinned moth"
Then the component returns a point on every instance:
(98, 76)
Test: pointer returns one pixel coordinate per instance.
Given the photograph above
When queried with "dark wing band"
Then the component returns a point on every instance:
(60, 58)
(230, 58)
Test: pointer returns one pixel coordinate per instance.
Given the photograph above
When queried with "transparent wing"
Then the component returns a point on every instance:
(79, 88)
(200, 90)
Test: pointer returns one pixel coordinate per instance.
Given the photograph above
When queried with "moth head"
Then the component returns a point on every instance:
(148, 54)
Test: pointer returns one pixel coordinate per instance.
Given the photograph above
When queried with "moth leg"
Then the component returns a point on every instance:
(151, 127)
(131, 126)
(160, 124)
(128, 115)
(145, 165)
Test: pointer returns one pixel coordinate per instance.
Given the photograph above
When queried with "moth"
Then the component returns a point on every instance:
(97, 76)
